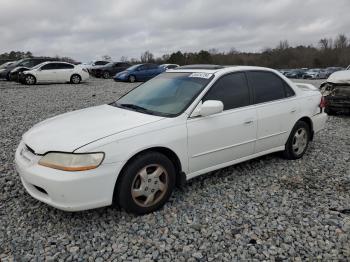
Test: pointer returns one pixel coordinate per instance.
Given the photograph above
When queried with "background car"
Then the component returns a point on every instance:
(108, 70)
(139, 72)
(169, 66)
(331, 70)
(284, 71)
(27, 65)
(94, 64)
(54, 72)
(315, 73)
(296, 73)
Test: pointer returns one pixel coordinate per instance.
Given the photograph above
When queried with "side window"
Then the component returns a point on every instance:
(48, 67)
(64, 66)
(140, 68)
(230, 89)
(267, 86)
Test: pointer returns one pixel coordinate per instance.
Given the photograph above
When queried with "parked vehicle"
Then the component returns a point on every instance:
(169, 66)
(139, 72)
(108, 70)
(331, 70)
(93, 64)
(295, 73)
(336, 91)
(315, 73)
(284, 71)
(179, 125)
(27, 65)
(6, 64)
(5, 72)
(54, 72)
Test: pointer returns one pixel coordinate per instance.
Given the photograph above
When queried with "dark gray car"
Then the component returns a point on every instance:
(109, 70)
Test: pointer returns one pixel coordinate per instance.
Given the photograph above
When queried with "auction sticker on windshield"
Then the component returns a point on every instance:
(201, 75)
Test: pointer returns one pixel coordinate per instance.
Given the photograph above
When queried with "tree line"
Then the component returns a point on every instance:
(328, 52)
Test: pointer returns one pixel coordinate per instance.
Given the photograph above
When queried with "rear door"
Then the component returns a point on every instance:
(276, 107)
(63, 72)
(230, 135)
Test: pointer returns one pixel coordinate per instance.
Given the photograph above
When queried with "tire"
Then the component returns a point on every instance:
(330, 111)
(75, 79)
(7, 77)
(145, 184)
(30, 80)
(298, 141)
(132, 79)
(106, 75)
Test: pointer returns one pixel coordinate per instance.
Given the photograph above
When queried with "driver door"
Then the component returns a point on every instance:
(216, 140)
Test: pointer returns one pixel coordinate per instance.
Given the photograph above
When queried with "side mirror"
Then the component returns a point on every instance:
(211, 107)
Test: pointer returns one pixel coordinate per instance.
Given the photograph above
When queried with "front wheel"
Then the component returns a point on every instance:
(298, 141)
(75, 79)
(30, 80)
(146, 183)
(132, 79)
(106, 75)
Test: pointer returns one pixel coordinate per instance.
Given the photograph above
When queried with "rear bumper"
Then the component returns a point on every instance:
(319, 122)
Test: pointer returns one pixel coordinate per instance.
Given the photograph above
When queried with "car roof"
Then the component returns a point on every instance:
(218, 69)
(56, 62)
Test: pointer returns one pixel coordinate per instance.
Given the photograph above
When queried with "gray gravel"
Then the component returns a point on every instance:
(265, 209)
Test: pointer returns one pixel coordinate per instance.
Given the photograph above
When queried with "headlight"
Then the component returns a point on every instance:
(72, 162)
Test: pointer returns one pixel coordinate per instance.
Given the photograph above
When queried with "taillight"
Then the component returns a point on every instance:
(322, 102)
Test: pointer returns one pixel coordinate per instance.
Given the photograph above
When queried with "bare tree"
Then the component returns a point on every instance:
(326, 43)
(124, 59)
(341, 42)
(147, 57)
(283, 45)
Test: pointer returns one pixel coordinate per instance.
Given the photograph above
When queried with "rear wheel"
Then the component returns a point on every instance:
(30, 80)
(75, 79)
(146, 183)
(298, 141)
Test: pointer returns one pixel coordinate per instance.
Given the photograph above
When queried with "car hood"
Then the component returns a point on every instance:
(339, 77)
(19, 68)
(98, 67)
(70, 131)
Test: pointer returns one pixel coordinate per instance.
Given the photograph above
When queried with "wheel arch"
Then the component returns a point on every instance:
(180, 175)
(308, 121)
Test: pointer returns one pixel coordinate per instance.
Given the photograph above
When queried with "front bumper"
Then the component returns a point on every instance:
(69, 191)
(122, 78)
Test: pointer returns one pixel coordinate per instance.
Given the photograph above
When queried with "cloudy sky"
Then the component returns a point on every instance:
(86, 29)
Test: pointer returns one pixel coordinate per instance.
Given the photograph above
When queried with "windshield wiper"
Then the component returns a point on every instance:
(136, 108)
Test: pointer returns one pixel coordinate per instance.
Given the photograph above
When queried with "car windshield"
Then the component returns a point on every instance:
(168, 94)
(38, 66)
(132, 67)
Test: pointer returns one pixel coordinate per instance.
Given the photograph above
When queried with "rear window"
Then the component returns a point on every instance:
(267, 86)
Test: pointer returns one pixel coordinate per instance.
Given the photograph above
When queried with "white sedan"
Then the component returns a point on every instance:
(54, 72)
(179, 125)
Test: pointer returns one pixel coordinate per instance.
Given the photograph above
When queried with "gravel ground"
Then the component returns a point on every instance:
(264, 209)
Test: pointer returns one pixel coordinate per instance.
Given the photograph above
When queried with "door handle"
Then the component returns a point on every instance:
(248, 122)
(293, 110)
